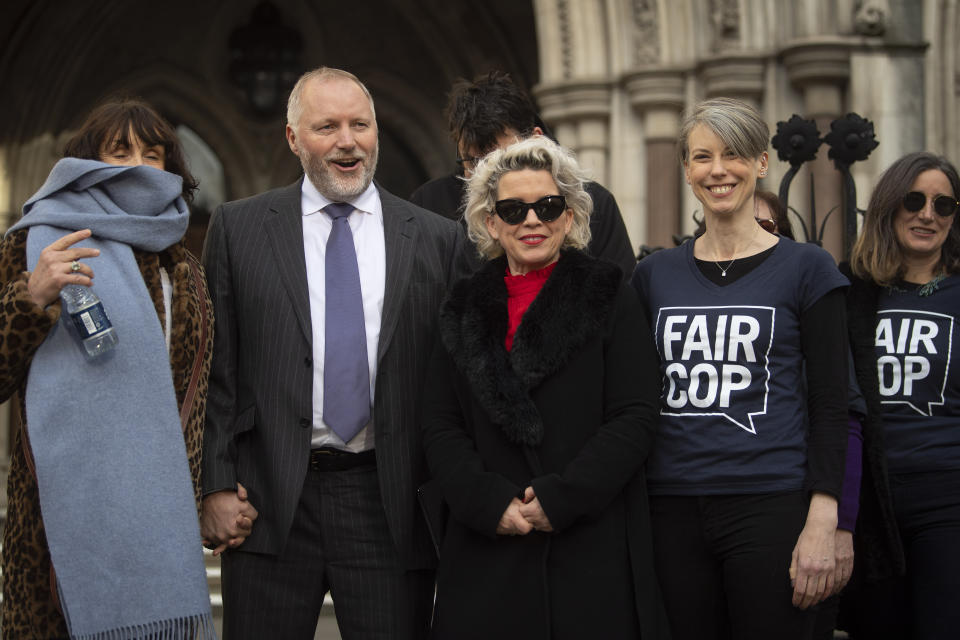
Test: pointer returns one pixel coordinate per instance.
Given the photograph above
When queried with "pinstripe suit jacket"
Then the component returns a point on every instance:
(259, 410)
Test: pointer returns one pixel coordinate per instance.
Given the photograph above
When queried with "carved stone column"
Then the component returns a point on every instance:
(657, 95)
(821, 70)
(735, 76)
(579, 112)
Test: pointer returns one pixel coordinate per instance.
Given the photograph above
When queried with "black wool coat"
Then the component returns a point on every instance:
(571, 411)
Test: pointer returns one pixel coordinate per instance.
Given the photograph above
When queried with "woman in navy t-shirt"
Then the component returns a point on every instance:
(743, 491)
(904, 306)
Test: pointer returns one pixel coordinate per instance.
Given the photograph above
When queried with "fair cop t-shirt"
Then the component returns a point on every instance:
(733, 410)
(919, 376)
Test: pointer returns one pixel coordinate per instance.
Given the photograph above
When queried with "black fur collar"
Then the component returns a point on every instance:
(570, 310)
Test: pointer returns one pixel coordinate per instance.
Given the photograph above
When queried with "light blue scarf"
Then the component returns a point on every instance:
(115, 490)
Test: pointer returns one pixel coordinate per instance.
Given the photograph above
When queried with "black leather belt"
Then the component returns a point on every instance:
(330, 459)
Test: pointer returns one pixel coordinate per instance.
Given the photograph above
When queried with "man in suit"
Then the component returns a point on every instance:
(492, 112)
(312, 451)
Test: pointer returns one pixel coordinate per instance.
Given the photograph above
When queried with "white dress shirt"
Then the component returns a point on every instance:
(167, 285)
(366, 224)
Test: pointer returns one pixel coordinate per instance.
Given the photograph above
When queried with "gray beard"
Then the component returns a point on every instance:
(337, 188)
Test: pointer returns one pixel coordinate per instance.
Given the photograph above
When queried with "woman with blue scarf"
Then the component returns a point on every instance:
(102, 538)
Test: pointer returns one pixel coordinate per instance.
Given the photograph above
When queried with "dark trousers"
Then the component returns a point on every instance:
(924, 605)
(827, 612)
(723, 564)
(339, 542)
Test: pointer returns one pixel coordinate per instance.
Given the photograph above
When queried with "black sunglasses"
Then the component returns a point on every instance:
(945, 206)
(514, 211)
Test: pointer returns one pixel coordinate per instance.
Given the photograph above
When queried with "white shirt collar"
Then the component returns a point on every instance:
(313, 201)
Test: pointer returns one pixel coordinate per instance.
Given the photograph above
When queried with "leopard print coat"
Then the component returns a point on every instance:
(29, 607)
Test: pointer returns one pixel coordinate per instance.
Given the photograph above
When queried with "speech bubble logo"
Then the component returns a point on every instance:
(716, 361)
(913, 357)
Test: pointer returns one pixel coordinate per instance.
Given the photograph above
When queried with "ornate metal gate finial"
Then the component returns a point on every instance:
(851, 139)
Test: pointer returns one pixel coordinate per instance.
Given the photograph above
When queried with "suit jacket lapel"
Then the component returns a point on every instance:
(284, 229)
(400, 234)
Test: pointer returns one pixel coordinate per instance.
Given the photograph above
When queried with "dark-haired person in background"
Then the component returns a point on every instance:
(903, 311)
(114, 519)
(771, 215)
(491, 113)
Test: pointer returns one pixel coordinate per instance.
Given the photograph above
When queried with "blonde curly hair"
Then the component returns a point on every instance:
(537, 153)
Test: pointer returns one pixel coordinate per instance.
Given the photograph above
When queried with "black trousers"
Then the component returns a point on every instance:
(723, 564)
(339, 542)
(924, 605)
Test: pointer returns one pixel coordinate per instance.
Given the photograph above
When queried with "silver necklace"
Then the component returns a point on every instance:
(723, 271)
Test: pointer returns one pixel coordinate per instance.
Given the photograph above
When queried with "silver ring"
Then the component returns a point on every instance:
(74, 266)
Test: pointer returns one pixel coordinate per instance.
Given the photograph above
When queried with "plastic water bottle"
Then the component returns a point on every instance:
(93, 326)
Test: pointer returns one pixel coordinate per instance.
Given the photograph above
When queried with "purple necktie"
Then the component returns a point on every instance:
(346, 378)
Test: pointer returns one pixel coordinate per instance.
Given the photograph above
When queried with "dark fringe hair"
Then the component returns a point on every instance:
(877, 254)
(115, 120)
(479, 111)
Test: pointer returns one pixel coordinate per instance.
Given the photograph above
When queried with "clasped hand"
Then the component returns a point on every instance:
(523, 516)
(227, 519)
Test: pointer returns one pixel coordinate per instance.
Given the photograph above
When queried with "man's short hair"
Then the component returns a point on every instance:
(294, 102)
(481, 110)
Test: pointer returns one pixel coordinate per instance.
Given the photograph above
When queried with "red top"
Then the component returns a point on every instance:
(521, 290)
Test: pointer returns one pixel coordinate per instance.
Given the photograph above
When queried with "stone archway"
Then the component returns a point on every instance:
(58, 60)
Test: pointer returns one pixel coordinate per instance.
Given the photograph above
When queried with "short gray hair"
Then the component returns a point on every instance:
(736, 123)
(295, 104)
(536, 153)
